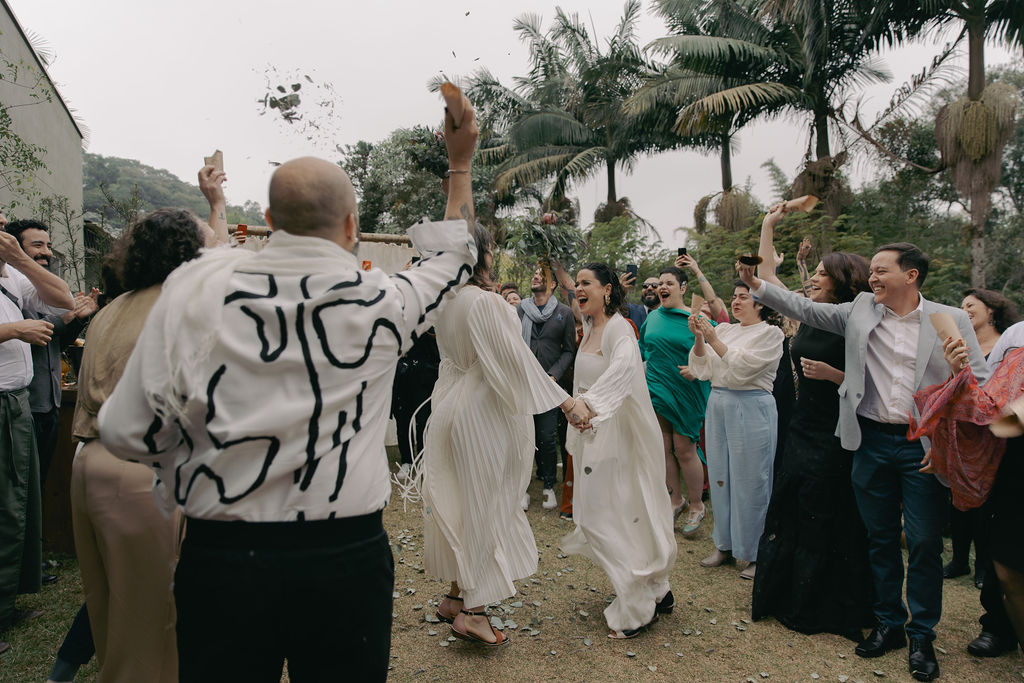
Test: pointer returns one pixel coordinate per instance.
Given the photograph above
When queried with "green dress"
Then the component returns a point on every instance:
(665, 342)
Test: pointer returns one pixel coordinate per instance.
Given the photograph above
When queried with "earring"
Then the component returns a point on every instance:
(607, 299)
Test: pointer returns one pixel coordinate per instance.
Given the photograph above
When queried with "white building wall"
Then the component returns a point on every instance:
(50, 125)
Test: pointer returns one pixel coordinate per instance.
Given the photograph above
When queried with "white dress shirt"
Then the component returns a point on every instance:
(750, 362)
(891, 361)
(16, 355)
(260, 387)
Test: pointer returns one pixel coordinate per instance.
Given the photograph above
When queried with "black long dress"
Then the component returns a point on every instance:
(812, 559)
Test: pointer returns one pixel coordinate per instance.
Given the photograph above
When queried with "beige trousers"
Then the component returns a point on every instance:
(127, 550)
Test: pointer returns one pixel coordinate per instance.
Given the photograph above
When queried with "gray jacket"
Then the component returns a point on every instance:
(855, 320)
(554, 342)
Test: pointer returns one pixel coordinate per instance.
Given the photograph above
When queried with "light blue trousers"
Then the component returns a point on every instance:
(740, 429)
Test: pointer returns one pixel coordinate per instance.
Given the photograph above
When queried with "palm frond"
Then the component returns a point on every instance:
(703, 51)
(549, 127)
(695, 116)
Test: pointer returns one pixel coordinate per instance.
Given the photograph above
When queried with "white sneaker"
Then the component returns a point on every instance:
(550, 501)
(404, 473)
(526, 502)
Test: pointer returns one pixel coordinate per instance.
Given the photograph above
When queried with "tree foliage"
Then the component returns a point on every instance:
(107, 180)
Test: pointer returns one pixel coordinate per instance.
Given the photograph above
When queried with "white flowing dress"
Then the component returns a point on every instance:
(621, 507)
(479, 448)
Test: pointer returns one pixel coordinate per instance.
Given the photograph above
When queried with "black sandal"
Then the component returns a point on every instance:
(500, 638)
(445, 619)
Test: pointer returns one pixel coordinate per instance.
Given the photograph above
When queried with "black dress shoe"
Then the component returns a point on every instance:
(953, 570)
(990, 645)
(49, 578)
(923, 666)
(882, 639)
(667, 604)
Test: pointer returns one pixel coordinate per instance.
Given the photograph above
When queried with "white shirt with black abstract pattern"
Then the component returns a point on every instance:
(287, 421)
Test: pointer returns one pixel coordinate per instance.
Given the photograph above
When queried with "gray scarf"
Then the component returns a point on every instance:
(532, 314)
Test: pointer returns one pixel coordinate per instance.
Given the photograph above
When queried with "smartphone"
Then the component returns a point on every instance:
(681, 251)
(632, 270)
(241, 230)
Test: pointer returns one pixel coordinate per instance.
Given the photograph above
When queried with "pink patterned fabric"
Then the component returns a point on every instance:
(955, 415)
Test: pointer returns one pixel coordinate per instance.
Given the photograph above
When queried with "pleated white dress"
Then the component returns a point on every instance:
(621, 507)
(479, 448)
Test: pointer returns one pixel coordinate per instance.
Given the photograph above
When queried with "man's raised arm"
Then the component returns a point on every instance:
(460, 134)
(828, 317)
(211, 183)
(51, 290)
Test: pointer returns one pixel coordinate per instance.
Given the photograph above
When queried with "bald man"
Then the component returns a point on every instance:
(259, 392)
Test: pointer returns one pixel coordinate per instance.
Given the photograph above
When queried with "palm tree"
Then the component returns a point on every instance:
(972, 131)
(746, 59)
(569, 117)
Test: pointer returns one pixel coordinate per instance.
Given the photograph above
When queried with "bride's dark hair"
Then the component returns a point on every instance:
(481, 276)
(606, 275)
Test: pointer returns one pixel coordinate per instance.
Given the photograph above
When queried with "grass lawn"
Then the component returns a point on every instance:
(707, 638)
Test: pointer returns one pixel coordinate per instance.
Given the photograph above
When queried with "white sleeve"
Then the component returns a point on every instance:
(129, 427)
(509, 366)
(703, 367)
(747, 359)
(30, 300)
(615, 384)
(448, 256)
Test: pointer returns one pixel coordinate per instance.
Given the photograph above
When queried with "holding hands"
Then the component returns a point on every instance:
(578, 413)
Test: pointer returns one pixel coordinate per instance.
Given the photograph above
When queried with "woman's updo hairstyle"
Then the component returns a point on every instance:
(607, 276)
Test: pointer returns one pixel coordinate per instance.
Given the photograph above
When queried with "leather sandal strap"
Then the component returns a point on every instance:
(473, 614)
(452, 597)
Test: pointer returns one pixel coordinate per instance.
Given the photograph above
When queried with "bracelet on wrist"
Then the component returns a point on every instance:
(450, 171)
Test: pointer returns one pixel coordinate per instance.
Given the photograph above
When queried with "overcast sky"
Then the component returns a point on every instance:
(167, 83)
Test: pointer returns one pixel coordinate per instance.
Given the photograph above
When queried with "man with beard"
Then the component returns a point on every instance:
(24, 285)
(549, 329)
(44, 392)
(649, 294)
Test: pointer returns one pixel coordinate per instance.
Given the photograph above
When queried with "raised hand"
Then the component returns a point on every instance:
(747, 276)
(956, 354)
(460, 128)
(211, 183)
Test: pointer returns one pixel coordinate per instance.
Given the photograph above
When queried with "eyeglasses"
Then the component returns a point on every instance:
(646, 286)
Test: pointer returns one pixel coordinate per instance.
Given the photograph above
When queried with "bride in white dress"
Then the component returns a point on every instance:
(478, 455)
(621, 507)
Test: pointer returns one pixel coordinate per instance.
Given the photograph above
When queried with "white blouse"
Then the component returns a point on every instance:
(750, 361)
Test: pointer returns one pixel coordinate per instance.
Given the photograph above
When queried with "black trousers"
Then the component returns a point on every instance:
(251, 595)
(46, 425)
(545, 427)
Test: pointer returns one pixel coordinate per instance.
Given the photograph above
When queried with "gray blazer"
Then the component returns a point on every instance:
(855, 320)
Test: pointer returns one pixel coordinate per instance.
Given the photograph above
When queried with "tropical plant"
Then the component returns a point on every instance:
(566, 119)
(746, 59)
(972, 130)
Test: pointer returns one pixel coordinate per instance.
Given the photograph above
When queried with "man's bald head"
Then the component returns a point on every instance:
(310, 196)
